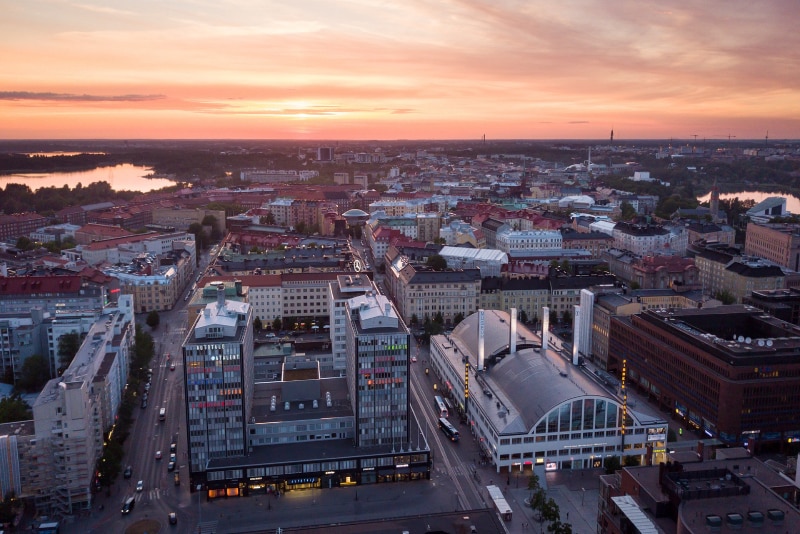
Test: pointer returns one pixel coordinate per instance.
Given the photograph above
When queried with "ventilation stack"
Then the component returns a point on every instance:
(512, 342)
(576, 335)
(545, 328)
(481, 341)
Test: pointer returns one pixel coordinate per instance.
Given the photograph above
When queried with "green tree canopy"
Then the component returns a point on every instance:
(34, 374)
(14, 409)
(153, 319)
(437, 262)
(68, 345)
(276, 324)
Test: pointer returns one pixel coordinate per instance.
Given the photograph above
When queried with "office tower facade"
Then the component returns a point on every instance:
(218, 363)
(378, 370)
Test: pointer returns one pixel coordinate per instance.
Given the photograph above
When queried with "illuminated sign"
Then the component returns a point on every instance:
(550, 466)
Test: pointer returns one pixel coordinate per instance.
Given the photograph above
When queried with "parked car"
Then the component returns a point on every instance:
(144, 404)
(171, 466)
(173, 447)
(158, 455)
(128, 472)
(173, 518)
(140, 485)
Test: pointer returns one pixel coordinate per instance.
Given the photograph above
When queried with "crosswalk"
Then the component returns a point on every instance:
(207, 527)
(151, 495)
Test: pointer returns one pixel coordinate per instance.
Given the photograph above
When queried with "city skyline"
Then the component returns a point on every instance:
(360, 69)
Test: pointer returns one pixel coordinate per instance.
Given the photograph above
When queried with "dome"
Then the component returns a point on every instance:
(355, 213)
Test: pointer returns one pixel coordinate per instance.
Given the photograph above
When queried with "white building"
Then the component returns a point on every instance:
(528, 240)
(344, 288)
(489, 261)
(531, 407)
(73, 412)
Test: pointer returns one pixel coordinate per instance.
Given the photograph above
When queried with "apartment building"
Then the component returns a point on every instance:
(421, 293)
(19, 224)
(73, 412)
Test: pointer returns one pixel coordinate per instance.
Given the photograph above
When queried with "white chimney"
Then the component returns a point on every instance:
(512, 343)
(481, 345)
(576, 337)
(545, 328)
(221, 295)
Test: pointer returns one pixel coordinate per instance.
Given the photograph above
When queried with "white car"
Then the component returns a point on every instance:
(140, 485)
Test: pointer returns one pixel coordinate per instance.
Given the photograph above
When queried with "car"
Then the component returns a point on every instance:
(172, 367)
(173, 518)
(128, 472)
(270, 335)
(140, 485)
(173, 458)
(147, 387)
(144, 397)
(158, 455)
(144, 404)
(171, 466)
(413, 359)
(173, 447)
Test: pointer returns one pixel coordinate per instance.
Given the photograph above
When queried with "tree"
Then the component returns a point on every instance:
(553, 317)
(68, 346)
(34, 374)
(566, 317)
(211, 221)
(523, 317)
(153, 319)
(725, 296)
(269, 218)
(437, 262)
(276, 324)
(632, 461)
(200, 238)
(257, 325)
(414, 319)
(612, 465)
(627, 211)
(13, 409)
(9, 507)
(458, 318)
(300, 227)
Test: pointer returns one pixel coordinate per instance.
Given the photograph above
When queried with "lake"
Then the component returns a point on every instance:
(124, 177)
(792, 202)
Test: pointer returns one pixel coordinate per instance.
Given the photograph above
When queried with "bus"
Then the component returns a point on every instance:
(448, 429)
(162, 414)
(500, 503)
(440, 407)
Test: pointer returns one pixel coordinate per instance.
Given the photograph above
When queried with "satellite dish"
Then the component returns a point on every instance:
(747, 340)
(740, 339)
(769, 342)
(760, 342)
(357, 266)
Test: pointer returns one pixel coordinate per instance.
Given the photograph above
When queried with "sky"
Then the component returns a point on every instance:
(399, 69)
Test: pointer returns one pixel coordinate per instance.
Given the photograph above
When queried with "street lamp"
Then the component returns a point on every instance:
(199, 510)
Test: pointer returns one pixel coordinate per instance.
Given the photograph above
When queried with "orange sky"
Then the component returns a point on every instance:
(405, 69)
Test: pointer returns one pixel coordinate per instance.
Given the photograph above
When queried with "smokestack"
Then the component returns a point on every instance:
(545, 328)
(481, 344)
(576, 334)
(512, 342)
(221, 295)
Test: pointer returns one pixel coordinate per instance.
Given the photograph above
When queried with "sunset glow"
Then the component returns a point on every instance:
(366, 69)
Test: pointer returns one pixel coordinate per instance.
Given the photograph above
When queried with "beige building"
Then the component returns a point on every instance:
(182, 219)
(428, 225)
(778, 243)
(421, 293)
(741, 278)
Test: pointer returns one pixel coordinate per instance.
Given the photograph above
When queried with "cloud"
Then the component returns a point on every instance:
(67, 97)
(578, 122)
